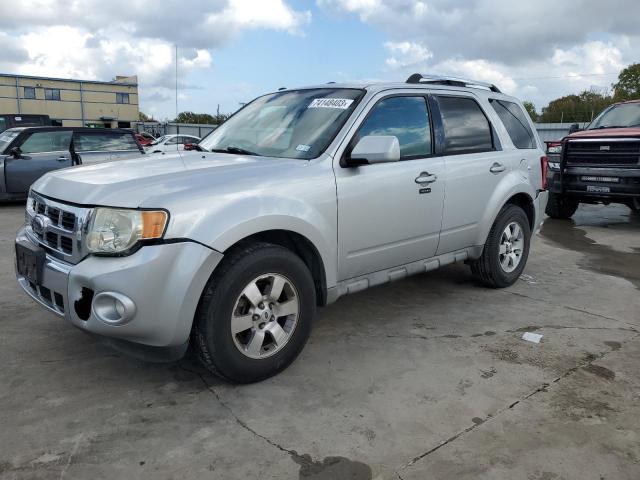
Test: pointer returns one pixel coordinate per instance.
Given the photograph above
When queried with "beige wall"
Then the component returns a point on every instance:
(98, 100)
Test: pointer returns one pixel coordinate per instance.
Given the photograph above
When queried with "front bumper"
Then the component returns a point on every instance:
(164, 282)
(571, 182)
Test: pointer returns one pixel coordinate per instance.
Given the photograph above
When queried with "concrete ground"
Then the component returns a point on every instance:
(427, 378)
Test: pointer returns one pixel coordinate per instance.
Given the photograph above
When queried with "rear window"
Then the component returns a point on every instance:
(466, 128)
(515, 122)
(103, 142)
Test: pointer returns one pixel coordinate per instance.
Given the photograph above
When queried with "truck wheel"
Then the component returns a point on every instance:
(255, 314)
(561, 206)
(506, 249)
(634, 205)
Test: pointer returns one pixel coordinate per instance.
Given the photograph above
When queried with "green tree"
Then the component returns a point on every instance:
(531, 110)
(191, 117)
(143, 117)
(575, 108)
(628, 86)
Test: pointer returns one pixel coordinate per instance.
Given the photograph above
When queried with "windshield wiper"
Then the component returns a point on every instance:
(232, 149)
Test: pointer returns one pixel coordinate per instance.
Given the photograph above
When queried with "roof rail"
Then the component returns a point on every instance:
(453, 81)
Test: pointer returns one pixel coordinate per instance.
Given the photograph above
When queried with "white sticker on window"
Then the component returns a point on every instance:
(303, 148)
(340, 103)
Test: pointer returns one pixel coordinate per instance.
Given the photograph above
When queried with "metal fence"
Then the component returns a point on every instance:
(555, 131)
(546, 131)
(158, 129)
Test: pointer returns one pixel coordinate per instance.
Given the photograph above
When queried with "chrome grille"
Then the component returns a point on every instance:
(57, 226)
(603, 152)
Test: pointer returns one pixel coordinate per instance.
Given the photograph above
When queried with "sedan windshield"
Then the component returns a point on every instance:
(622, 115)
(290, 124)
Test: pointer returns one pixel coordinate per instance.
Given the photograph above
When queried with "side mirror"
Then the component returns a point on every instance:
(574, 128)
(374, 149)
(15, 152)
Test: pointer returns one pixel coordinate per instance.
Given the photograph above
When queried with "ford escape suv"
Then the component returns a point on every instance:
(303, 196)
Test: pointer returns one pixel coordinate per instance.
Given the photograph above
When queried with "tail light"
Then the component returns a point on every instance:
(544, 167)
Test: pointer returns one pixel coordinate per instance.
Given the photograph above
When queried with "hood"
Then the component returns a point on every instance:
(606, 133)
(128, 183)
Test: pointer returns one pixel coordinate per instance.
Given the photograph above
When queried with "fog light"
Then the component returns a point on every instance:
(113, 308)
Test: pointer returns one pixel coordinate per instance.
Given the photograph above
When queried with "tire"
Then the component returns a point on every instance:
(489, 267)
(634, 205)
(223, 352)
(560, 206)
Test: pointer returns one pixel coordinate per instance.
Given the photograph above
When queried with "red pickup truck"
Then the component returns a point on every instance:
(600, 164)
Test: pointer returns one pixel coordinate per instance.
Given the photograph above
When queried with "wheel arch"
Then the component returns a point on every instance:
(299, 245)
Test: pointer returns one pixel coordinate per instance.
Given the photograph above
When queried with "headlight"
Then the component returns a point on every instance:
(554, 165)
(117, 230)
(554, 149)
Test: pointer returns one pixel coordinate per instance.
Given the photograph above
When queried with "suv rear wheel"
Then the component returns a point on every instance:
(255, 314)
(560, 206)
(506, 249)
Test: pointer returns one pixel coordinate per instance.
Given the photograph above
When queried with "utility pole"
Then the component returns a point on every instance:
(176, 81)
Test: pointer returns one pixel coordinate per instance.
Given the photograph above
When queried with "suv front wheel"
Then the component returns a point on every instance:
(255, 314)
(506, 250)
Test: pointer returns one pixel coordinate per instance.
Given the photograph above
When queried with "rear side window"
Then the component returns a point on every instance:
(466, 128)
(40, 142)
(406, 118)
(515, 122)
(103, 142)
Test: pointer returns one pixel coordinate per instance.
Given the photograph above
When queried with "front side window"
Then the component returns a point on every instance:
(122, 98)
(466, 128)
(172, 141)
(623, 115)
(515, 122)
(405, 118)
(103, 142)
(29, 92)
(290, 124)
(52, 94)
(40, 142)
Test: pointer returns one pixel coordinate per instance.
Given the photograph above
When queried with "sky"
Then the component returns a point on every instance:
(230, 51)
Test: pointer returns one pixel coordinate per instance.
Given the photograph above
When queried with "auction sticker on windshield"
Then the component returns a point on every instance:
(340, 103)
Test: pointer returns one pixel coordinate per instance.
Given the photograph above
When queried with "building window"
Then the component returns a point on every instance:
(122, 98)
(52, 94)
(29, 92)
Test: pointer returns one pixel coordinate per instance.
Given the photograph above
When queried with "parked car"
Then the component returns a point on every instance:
(11, 121)
(171, 143)
(600, 164)
(29, 152)
(301, 197)
(145, 138)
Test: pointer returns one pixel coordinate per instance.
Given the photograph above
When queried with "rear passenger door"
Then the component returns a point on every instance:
(42, 152)
(474, 165)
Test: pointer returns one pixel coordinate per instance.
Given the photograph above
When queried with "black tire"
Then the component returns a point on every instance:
(211, 333)
(560, 206)
(634, 205)
(488, 268)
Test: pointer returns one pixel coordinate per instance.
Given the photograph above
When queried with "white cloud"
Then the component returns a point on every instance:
(407, 54)
(94, 39)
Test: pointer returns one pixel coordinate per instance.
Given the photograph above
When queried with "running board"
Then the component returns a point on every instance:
(363, 282)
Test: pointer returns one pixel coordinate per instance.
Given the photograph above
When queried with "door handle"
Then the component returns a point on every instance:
(497, 168)
(426, 177)
(62, 159)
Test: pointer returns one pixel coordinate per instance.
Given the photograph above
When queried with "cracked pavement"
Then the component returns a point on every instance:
(426, 378)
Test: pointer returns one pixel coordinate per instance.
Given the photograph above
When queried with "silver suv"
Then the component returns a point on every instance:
(303, 196)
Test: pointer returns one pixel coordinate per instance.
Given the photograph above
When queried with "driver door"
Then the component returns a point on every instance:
(390, 214)
(41, 152)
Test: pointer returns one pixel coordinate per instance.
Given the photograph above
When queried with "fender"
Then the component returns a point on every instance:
(514, 182)
(222, 227)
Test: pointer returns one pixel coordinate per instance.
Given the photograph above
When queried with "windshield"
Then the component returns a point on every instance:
(289, 124)
(623, 115)
(6, 138)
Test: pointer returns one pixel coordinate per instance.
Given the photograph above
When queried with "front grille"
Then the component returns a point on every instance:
(603, 152)
(57, 227)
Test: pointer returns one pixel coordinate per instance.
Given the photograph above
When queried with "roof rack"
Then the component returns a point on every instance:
(453, 81)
